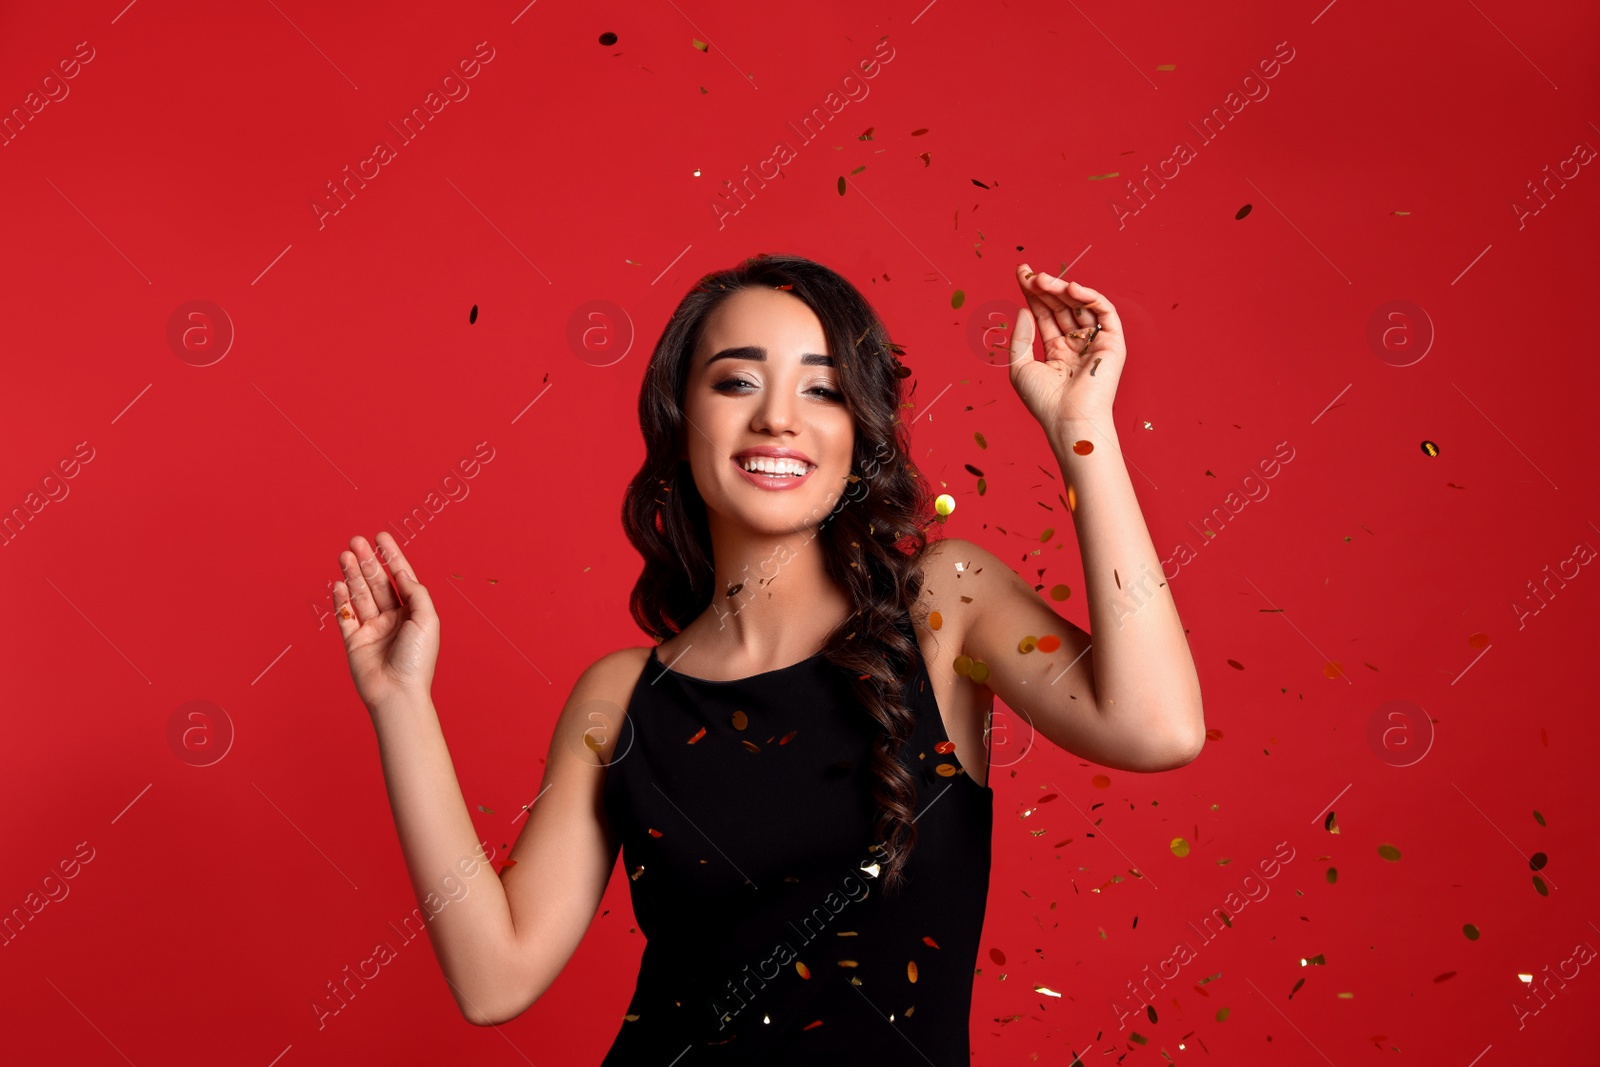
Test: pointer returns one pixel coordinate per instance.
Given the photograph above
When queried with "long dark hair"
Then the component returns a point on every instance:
(872, 542)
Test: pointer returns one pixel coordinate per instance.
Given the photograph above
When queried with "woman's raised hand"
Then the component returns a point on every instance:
(1084, 352)
(392, 642)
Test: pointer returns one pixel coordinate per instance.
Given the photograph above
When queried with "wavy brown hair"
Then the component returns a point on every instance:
(872, 543)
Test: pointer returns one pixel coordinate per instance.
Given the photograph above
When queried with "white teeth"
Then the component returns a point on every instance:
(768, 465)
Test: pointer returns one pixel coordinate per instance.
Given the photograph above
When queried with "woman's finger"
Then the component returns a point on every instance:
(366, 605)
(389, 552)
(1049, 328)
(348, 622)
(372, 571)
(1104, 312)
(416, 597)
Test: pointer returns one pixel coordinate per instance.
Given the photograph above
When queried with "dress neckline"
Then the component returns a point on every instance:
(731, 681)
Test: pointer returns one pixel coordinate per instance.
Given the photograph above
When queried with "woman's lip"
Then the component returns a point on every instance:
(767, 481)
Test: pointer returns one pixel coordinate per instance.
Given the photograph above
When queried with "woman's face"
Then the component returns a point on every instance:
(762, 380)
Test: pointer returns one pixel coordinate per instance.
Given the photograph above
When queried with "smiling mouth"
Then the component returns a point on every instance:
(779, 479)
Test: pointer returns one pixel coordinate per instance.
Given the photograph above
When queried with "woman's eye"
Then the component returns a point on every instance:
(732, 384)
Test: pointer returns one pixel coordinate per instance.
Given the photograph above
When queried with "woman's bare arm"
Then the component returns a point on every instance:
(501, 942)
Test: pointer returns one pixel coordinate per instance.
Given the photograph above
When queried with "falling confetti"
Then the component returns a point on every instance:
(608, 39)
(1389, 852)
(654, 832)
(1538, 883)
(702, 46)
(998, 957)
(1471, 931)
(945, 504)
(740, 720)
(978, 437)
(1100, 781)
(1180, 847)
(911, 971)
(944, 747)
(1236, 665)
(930, 943)
(935, 620)
(1083, 448)
(1060, 592)
(1538, 860)
(698, 734)
(958, 298)
(1241, 213)
(1330, 825)
(1049, 643)
(473, 316)
(1333, 875)
(1429, 448)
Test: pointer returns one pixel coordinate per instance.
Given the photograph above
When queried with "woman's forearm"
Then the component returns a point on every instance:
(462, 901)
(1144, 674)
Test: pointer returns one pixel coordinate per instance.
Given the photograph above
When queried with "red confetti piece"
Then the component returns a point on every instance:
(1100, 781)
(698, 735)
(811, 1025)
(945, 747)
(654, 832)
(508, 865)
(1236, 665)
(1083, 448)
(786, 738)
(998, 957)
(929, 942)
(1049, 643)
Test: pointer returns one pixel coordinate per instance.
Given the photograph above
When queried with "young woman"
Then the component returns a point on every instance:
(796, 772)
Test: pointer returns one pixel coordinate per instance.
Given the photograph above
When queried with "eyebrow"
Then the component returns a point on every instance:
(759, 354)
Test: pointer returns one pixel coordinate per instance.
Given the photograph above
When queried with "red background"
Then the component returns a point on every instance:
(187, 559)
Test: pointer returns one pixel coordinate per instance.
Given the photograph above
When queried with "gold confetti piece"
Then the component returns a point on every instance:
(848, 963)
(698, 734)
(637, 871)
(1180, 847)
(980, 671)
(1222, 1014)
(945, 747)
(702, 46)
(1389, 852)
(1471, 931)
(804, 971)
(944, 504)
(958, 298)
(751, 746)
(1100, 781)
(1538, 883)
(946, 770)
(911, 971)
(1314, 961)
(1134, 1035)
(1083, 448)
(962, 665)
(935, 620)
(740, 720)
(1028, 644)
(1429, 448)
(1330, 824)
(1046, 990)
(630, 1018)
(1333, 875)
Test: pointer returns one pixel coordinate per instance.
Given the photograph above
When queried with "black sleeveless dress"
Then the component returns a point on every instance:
(745, 814)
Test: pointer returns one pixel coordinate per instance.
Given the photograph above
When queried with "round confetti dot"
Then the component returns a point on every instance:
(1236, 665)
(804, 971)
(1538, 883)
(945, 504)
(1471, 931)
(1049, 532)
(1389, 852)
(1477, 640)
(944, 748)
(946, 770)
(1083, 448)
(1222, 1015)
(740, 720)
(998, 957)
(911, 971)
(1429, 448)
(1049, 643)
(1538, 860)
(1180, 847)
(1333, 875)
(1100, 781)
(1028, 644)
(1060, 592)
(608, 39)
(1333, 670)
(935, 620)
(980, 671)
(962, 665)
